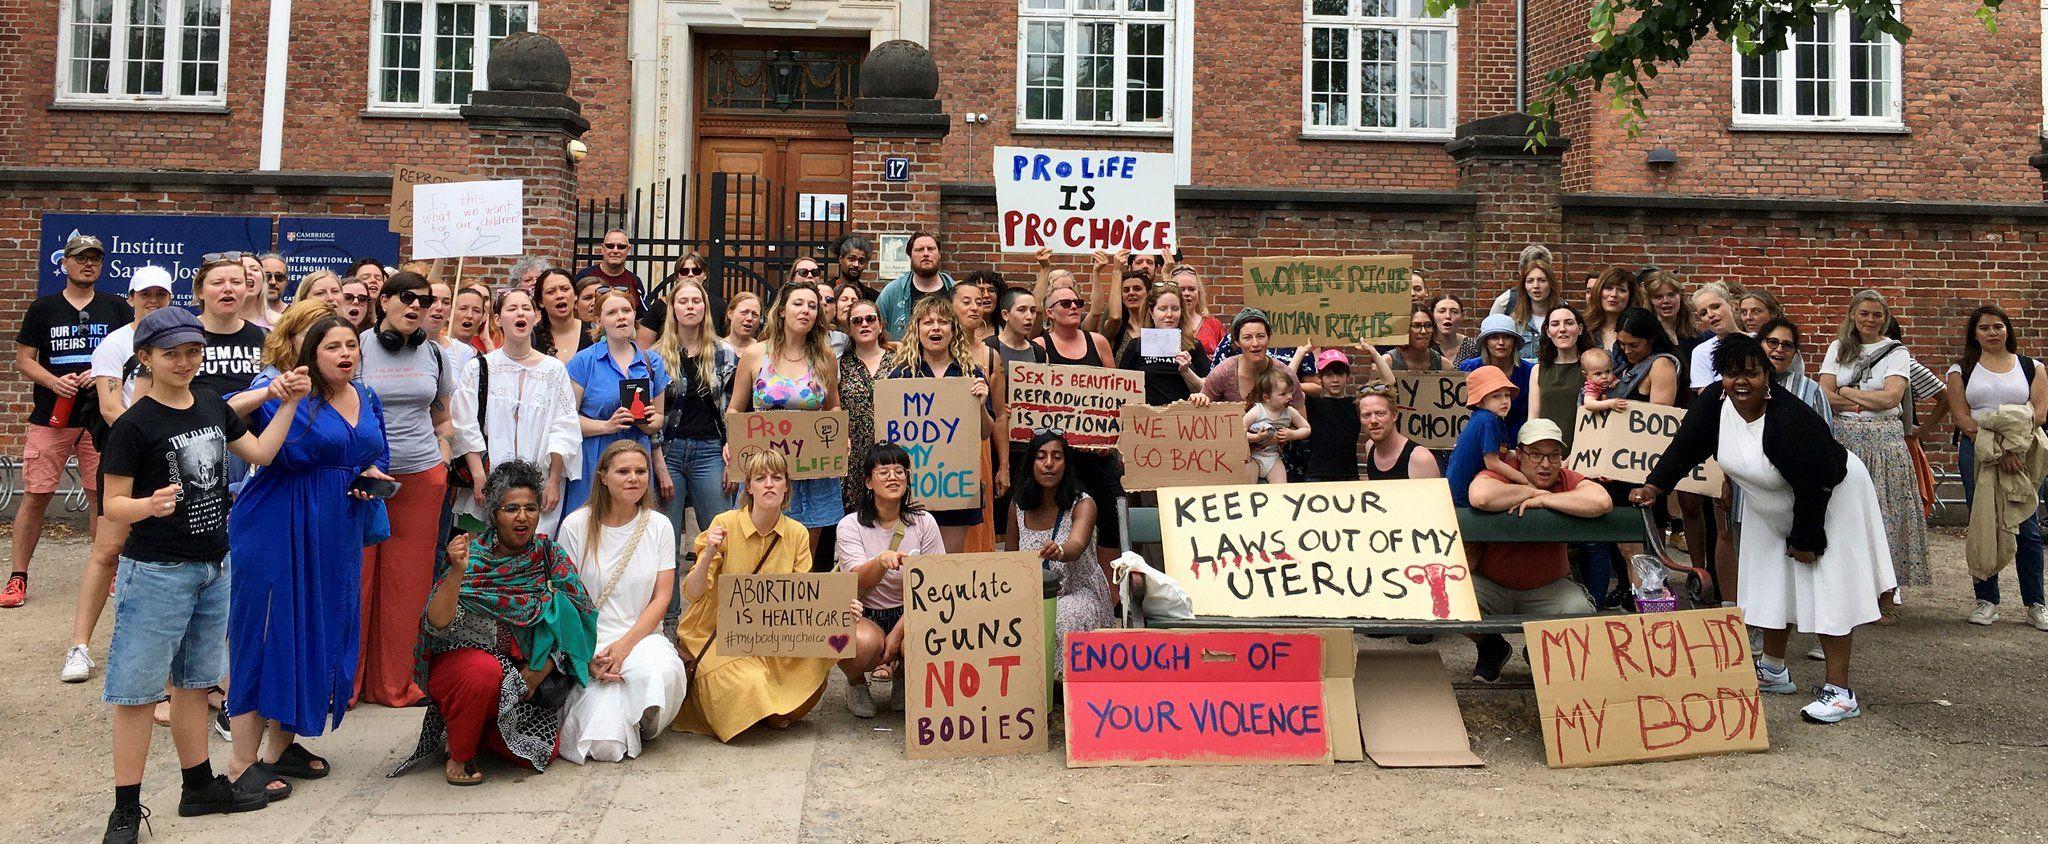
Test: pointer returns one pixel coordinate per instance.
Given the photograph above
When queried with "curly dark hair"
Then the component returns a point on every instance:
(1737, 351)
(511, 475)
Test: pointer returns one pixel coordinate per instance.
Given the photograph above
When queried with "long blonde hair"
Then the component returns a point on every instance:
(1848, 343)
(281, 345)
(816, 350)
(911, 350)
(600, 503)
(670, 345)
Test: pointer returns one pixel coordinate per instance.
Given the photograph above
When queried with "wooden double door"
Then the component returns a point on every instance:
(772, 117)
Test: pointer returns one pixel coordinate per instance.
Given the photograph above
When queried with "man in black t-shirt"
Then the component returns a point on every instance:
(54, 349)
(611, 265)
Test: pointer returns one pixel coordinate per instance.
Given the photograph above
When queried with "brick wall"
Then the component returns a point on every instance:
(325, 128)
(21, 217)
(876, 205)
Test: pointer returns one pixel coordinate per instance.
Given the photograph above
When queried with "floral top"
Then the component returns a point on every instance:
(857, 398)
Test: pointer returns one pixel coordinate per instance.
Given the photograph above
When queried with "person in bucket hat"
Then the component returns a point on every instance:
(1487, 434)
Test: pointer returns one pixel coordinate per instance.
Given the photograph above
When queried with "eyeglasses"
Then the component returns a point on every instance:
(275, 276)
(807, 272)
(890, 472)
(864, 319)
(1775, 343)
(618, 246)
(211, 257)
(423, 300)
(690, 272)
(519, 509)
(355, 298)
(1543, 456)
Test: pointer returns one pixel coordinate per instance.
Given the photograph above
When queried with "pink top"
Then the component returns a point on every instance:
(859, 544)
(1592, 392)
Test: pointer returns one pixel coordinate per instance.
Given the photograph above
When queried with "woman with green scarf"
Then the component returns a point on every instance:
(507, 634)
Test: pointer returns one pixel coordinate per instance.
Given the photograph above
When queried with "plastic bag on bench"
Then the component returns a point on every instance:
(1164, 597)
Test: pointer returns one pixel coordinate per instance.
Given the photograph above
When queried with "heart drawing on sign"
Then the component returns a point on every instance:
(838, 641)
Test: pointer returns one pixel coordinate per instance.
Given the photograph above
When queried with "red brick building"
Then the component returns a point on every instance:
(1298, 126)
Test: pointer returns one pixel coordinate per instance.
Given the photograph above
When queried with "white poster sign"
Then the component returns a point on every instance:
(1076, 202)
(469, 219)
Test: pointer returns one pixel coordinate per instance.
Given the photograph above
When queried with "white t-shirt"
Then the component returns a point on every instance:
(1701, 373)
(113, 358)
(1894, 361)
(654, 558)
(1986, 391)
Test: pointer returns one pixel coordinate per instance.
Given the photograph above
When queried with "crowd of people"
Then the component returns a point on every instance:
(472, 495)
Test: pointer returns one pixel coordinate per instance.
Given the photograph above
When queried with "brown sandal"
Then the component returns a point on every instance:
(471, 776)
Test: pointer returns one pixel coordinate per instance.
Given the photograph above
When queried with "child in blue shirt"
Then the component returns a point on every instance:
(1485, 437)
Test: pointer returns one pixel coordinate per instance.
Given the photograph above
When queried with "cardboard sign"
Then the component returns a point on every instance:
(1432, 406)
(1625, 445)
(938, 421)
(1635, 688)
(814, 441)
(1408, 715)
(1355, 549)
(1200, 697)
(802, 615)
(1182, 445)
(974, 656)
(1076, 202)
(1085, 402)
(1331, 301)
(469, 219)
(404, 177)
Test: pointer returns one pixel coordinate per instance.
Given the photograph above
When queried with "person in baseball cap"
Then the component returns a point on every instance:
(79, 244)
(1529, 578)
(149, 277)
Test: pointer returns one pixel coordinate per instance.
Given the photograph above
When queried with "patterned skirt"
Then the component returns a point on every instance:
(1881, 443)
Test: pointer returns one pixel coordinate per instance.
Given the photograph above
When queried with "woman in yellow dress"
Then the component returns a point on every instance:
(732, 693)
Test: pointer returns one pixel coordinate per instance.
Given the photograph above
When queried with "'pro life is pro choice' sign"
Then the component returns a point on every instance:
(1076, 202)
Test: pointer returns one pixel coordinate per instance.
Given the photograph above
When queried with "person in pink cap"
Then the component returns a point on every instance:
(1332, 420)
(1486, 438)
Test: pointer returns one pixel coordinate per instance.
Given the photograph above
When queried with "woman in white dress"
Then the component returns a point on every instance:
(1814, 552)
(517, 403)
(626, 554)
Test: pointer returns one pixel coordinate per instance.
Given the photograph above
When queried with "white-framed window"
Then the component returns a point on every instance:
(1831, 73)
(427, 55)
(1094, 63)
(1378, 68)
(142, 51)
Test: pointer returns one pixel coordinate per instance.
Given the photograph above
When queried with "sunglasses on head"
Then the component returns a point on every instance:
(1049, 432)
(211, 257)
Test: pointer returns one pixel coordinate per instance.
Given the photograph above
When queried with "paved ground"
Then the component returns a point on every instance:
(1954, 747)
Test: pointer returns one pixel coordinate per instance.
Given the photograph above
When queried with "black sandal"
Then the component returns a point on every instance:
(297, 762)
(263, 782)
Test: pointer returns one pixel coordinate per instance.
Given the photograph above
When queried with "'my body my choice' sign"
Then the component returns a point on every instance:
(1075, 202)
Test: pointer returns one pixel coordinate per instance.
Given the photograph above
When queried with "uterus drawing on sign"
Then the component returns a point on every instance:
(1436, 575)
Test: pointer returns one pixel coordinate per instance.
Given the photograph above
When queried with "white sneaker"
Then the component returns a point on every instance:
(859, 701)
(1777, 682)
(78, 664)
(1834, 704)
(1817, 654)
(2037, 615)
(1984, 613)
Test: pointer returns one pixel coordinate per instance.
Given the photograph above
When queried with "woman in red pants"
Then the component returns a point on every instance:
(507, 633)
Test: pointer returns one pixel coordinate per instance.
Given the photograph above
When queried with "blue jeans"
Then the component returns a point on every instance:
(697, 467)
(170, 623)
(2028, 564)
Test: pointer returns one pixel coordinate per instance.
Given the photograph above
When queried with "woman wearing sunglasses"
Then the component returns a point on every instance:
(807, 270)
(862, 363)
(414, 379)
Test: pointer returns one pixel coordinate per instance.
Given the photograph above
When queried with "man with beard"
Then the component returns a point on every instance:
(54, 349)
(923, 279)
(1390, 454)
(1529, 578)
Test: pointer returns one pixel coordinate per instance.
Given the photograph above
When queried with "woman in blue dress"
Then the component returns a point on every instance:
(598, 371)
(296, 535)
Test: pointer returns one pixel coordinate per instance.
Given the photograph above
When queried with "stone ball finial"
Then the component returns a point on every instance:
(896, 70)
(529, 61)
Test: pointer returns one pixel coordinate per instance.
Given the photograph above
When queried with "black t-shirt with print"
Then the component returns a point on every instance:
(64, 337)
(232, 360)
(158, 445)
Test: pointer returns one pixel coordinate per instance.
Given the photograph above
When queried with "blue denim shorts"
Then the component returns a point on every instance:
(170, 624)
(815, 503)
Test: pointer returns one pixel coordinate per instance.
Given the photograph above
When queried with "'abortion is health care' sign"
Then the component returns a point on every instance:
(1076, 202)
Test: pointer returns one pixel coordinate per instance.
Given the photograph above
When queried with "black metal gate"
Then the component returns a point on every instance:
(747, 231)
